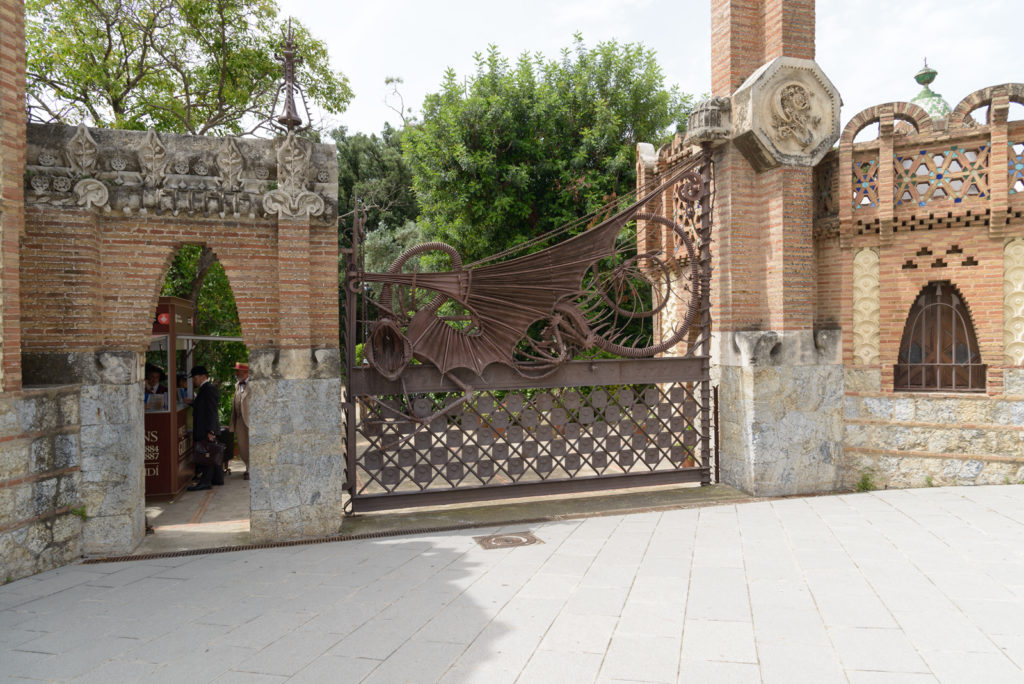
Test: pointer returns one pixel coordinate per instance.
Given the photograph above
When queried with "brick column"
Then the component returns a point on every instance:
(12, 196)
(780, 379)
(295, 433)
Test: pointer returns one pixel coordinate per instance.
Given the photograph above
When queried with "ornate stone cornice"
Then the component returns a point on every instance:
(146, 173)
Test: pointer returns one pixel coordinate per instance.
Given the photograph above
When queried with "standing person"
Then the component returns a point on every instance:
(205, 424)
(239, 424)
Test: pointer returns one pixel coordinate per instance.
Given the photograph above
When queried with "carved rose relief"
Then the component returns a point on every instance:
(792, 116)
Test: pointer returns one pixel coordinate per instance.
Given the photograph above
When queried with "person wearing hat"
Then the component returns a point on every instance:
(239, 424)
(205, 424)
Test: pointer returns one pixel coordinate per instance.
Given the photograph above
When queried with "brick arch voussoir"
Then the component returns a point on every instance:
(231, 258)
(981, 98)
(901, 111)
(928, 282)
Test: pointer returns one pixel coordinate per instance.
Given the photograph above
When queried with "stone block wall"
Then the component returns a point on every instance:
(908, 439)
(780, 411)
(40, 480)
(295, 444)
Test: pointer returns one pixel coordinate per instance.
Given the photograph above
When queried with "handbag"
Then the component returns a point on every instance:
(209, 453)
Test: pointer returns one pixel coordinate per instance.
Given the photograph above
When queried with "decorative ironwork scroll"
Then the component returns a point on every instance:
(535, 312)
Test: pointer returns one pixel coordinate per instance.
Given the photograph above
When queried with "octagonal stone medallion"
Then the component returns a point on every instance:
(786, 113)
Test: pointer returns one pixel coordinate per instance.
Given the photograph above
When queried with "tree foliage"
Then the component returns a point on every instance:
(185, 66)
(216, 314)
(372, 168)
(520, 149)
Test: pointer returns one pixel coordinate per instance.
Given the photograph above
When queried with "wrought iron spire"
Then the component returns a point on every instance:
(290, 120)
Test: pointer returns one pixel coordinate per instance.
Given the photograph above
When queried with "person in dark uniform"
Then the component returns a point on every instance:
(205, 424)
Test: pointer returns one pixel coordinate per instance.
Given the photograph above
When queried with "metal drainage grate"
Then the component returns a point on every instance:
(507, 540)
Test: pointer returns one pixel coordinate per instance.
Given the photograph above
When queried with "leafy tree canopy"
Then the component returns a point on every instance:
(185, 66)
(520, 149)
(372, 168)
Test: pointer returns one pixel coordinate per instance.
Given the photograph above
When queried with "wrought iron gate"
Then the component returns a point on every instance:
(484, 381)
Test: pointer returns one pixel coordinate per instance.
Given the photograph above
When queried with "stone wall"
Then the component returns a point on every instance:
(295, 444)
(113, 452)
(40, 480)
(780, 411)
(908, 439)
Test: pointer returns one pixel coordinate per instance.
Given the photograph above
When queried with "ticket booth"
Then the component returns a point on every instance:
(169, 466)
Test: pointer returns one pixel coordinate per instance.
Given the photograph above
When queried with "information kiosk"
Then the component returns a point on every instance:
(169, 466)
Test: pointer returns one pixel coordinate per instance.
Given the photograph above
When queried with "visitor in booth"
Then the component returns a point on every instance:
(183, 398)
(205, 424)
(154, 385)
(239, 424)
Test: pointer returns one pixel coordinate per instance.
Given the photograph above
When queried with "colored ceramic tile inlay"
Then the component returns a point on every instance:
(936, 175)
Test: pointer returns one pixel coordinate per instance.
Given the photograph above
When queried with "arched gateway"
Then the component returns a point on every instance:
(105, 212)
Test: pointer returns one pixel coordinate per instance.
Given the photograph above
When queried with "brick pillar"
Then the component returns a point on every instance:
(12, 196)
(780, 379)
(295, 437)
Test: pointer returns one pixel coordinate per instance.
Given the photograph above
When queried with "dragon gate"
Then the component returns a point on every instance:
(541, 369)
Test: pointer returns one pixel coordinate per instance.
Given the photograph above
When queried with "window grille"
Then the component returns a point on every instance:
(939, 350)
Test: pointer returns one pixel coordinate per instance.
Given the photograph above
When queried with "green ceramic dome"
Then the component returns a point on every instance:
(928, 100)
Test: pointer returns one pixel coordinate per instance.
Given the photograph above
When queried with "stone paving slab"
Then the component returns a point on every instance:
(893, 586)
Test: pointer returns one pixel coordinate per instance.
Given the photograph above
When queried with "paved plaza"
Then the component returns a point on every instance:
(909, 586)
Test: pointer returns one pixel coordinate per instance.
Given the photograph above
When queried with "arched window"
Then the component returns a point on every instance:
(939, 350)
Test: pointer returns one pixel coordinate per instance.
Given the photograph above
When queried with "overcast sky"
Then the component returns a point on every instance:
(870, 49)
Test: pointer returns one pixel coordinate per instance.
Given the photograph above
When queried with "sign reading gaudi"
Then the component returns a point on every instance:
(786, 113)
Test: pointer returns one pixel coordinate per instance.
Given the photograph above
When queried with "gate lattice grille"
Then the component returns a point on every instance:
(505, 437)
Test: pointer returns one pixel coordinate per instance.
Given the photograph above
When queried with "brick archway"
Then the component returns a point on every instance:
(106, 211)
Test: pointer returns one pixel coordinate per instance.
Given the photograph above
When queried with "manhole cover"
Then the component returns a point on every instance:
(507, 540)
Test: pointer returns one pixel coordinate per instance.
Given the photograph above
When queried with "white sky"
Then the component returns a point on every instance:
(870, 49)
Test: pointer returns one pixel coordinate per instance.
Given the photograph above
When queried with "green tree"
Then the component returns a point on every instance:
(216, 314)
(185, 66)
(372, 167)
(520, 149)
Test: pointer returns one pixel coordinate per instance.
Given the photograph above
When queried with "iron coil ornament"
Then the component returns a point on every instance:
(537, 311)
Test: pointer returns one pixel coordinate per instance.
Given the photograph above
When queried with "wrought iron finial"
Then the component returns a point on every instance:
(290, 120)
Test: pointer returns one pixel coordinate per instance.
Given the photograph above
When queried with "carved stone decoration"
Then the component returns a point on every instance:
(291, 198)
(47, 158)
(709, 121)
(62, 184)
(152, 154)
(1013, 302)
(792, 116)
(293, 164)
(866, 305)
(305, 204)
(82, 152)
(92, 193)
(230, 161)
(786, 113)
(40, 183)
